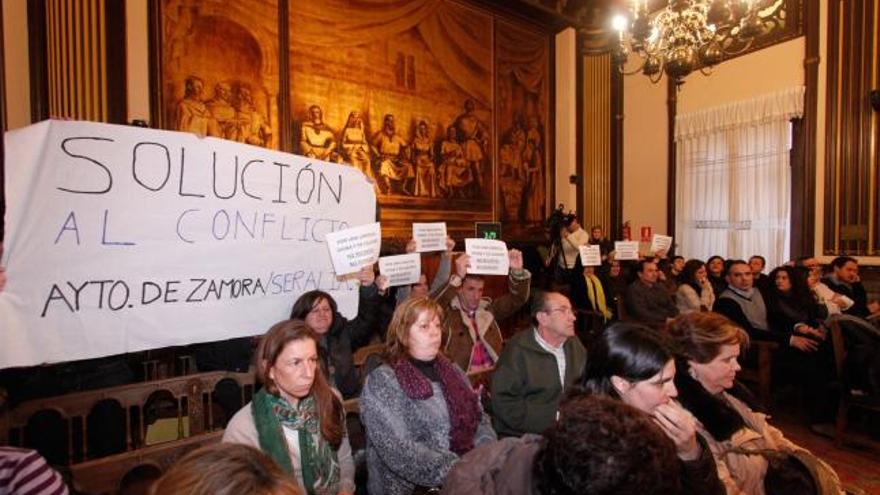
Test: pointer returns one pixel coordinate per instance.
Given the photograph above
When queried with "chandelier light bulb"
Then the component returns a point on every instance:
(655, 35)
(619, 22)
(688, 35)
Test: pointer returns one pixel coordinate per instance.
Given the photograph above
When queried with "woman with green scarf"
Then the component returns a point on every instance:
(296, 417)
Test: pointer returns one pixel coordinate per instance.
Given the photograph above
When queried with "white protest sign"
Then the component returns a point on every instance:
(402, 269)
(429, 236)
(487, 257)
(121, 239)
(626, 250)
(354, 248)
(591, 254)
(660, 243)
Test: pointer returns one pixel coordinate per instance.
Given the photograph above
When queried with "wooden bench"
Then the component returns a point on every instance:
(193, 403)
(847, 399)
(99, 476)
(762, 373)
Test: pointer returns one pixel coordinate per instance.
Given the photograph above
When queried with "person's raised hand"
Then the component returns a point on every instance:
(461, 265)
(366, 276)
(383, 283)
(680, 427)
(516, 259)
(411, 246)
(450, 245)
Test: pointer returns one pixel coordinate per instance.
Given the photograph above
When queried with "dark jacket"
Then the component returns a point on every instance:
(700, 476)
(785, 312)
(506, 467)
(525, 385)
(337, 346)
(718, 284)
(855, 291)
(763, 284)
(726, 304)
(503, 467)
(649, 304)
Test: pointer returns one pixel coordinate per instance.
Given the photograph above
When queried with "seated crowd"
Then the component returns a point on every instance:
(624, 383)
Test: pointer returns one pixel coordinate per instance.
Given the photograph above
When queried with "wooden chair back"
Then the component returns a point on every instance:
(104, 475)
(846, 398)
(192, 394)
(761, 374)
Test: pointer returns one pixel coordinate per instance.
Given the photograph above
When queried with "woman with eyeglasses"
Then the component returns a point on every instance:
(339, 337)
(635, 365)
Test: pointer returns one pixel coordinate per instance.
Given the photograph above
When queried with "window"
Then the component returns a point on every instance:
(733, 191)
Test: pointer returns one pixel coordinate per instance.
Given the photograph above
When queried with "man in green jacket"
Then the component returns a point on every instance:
(536, 367)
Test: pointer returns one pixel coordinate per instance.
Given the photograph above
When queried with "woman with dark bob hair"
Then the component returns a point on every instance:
(339, 337)
(634, 364)
(695, 293)
(224, 469)
(753, 457)
(296, 417)
(419, 409)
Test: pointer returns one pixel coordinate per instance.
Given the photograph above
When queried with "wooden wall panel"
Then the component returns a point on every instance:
(851, 157)
(81, 46)
(596, 141)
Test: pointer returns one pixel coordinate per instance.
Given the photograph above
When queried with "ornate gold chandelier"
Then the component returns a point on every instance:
(687, 35)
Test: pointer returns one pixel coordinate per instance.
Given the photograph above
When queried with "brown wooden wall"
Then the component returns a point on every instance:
(596, 142)
(852, 131)
(78, 59)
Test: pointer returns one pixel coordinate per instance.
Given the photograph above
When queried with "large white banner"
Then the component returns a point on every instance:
(122, 239)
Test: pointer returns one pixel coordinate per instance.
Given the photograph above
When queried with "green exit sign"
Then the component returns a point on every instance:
(488, 230)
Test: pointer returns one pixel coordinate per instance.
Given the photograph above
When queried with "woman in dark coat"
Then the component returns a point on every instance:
(715, 266)
(339, 336)
(808, 359)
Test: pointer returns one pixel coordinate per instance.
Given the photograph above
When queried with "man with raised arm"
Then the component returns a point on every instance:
(473, 338)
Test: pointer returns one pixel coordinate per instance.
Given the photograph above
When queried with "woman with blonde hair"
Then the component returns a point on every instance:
(419, 409)
(296, 417)
(753, 457)
(223, 469)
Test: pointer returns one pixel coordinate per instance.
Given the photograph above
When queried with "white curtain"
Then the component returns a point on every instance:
(733, 178)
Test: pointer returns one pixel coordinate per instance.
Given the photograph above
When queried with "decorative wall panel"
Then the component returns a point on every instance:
(404, 93)
(77, 68)
(852, 160)
(414, 93)
(217, 71)
(597, 143)
(522, 126)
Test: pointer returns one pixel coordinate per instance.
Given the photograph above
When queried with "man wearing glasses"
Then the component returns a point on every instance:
(536, 367)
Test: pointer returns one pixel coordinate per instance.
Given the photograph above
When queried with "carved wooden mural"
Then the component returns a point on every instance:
(442, 104)
(218, 69)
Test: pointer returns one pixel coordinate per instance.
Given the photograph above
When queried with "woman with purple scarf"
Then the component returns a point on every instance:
(419, 409)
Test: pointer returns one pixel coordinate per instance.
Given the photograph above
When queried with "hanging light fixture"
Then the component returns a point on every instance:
(689, 35)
